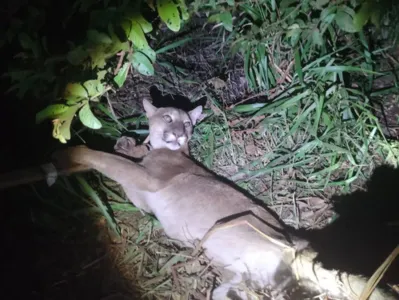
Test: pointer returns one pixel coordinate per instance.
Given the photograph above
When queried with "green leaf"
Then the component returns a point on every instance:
(89, 89)
(183, 9)
(75, 89)
(320, 3)
(243, 108)
(137, 36)
(363, 15)
(325, 13)
(72, 100)
(51, 112)
(227, 20)
(298, 66)
(77, 55)
(62, 124)
(87, 117)
(345, 21)
(122, 74)
(317, 37)
(98, 37)
(142, 64)
(94, 88)
(149, 53)
(97, 56)
(173, 45)
(169, 13)
(145, 25)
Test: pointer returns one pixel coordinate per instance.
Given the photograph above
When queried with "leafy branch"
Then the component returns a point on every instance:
(112, 31)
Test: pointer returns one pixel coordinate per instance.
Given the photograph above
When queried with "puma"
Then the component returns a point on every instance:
(189, 200)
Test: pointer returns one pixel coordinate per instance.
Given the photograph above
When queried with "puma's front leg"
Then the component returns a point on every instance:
(122, 170)
(133, 177)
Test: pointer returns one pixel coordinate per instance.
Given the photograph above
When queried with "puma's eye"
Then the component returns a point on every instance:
(187, 124)
(167, 119)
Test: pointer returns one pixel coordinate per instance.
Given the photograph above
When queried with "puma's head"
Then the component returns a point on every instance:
(170, 127)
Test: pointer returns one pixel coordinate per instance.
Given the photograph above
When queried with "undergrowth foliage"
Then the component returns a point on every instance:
(313, 62)
(82, 74)
(274, 37)
(269, 32)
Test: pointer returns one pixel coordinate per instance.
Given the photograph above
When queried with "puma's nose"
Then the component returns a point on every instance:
(181, 139)
(178, 137)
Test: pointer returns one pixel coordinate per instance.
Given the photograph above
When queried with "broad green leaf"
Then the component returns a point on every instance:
(75, 89)
(98, 37)
(295, 35)
(227, 20)
(64, 133)
(183, 9)
(51, 112)
(329, 10)
(72, 100)
(77, 55)
(317, 37)
(142, 64)
(98, 55)
(145, 25)
(122, 74)
(87, 117)
(101, 74)
(149, 53)
(56, 131)
(169, 13)
(320, 3)
(62, 125)
(345, 21)
(214, 18)
(94, 88)
(287, 3)
(137, 36)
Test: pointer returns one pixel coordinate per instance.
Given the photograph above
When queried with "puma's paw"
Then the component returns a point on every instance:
(140, 151)
(124, 145)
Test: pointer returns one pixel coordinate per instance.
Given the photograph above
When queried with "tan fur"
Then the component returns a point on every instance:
(188, 200)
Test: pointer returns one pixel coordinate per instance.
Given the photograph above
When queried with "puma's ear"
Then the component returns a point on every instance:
(195, 114)
(148, 107)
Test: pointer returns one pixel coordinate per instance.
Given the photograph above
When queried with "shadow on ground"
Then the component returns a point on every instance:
(367, 229)
(45, 255)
